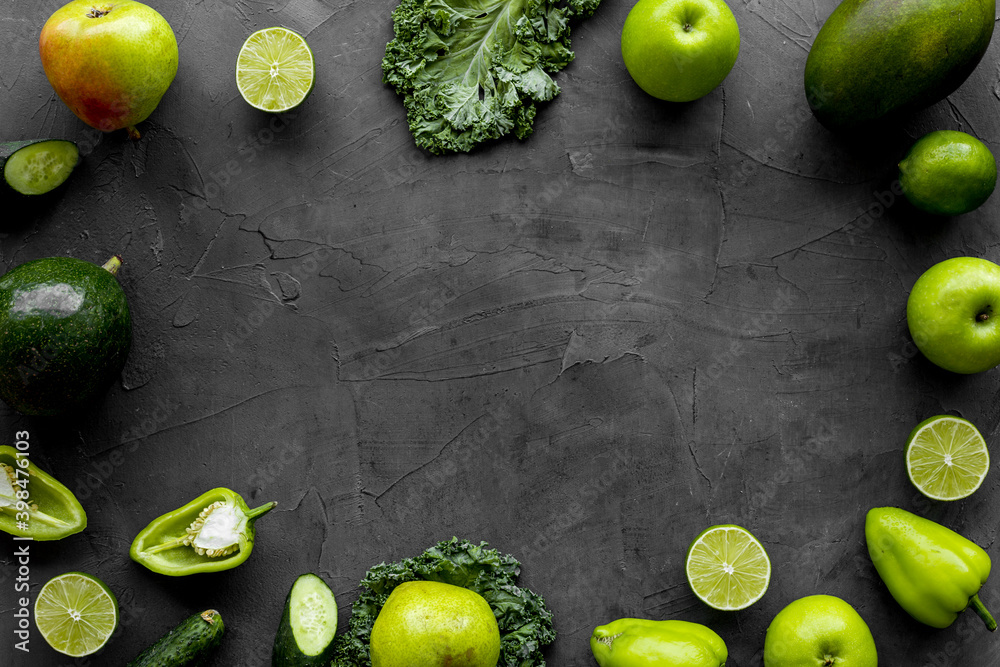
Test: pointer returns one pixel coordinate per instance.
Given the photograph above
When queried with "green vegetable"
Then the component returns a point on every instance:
(49, 511)
(187, 645)
(933, 572)
(213, 532)
(37, 166)
(473, 70)
(308, 625)
(637, 642)
(525, 623)
(873, 58)
(65, 333)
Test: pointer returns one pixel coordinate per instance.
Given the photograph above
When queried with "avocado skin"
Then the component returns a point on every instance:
(65, 333)
(874, 59)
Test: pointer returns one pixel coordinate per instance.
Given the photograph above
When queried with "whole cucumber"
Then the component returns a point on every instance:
(187, 645)
(876, 58)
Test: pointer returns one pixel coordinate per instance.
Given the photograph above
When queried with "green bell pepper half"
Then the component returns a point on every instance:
(33, 504)
(638, 642)
(213, 532)
(933, 572)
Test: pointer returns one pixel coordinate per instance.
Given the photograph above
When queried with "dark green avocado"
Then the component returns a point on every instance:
(65, 332)
(874, 59)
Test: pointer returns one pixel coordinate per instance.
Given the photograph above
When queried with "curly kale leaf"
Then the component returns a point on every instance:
(525, 623)
(473, 70)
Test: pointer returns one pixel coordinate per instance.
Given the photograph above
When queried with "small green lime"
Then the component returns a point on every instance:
(727, 567)
(76, 613)
(946, 458)
(948, 173)
(275, 70)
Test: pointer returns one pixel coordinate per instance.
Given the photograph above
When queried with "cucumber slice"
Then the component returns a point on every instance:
(305, 636)
(187, 645)
(37, 166)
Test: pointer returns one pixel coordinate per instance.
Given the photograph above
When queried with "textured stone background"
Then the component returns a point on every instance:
(583, 348)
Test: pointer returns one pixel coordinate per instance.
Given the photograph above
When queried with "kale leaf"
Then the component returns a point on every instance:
(525, 623)
(472, 70)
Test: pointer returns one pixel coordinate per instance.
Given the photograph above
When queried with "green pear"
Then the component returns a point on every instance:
(110, 61)
(433, 624)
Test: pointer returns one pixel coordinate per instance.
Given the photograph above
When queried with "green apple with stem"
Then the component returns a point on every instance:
(819, 631)
(680, 50)
(110, 61)
(953, 313)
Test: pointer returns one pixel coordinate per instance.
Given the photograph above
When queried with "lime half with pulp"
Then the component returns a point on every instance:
(76, 614)
(728, 568)
(946, 458)
(275, 70)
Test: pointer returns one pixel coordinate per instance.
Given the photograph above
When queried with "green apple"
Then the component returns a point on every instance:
(109, 61)
(680, 50)
(817, 631)
(954, 314)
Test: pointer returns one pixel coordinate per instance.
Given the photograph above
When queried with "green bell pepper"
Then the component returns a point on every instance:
(32, 503)
(933, 572)
(638, 642)
(213, 532)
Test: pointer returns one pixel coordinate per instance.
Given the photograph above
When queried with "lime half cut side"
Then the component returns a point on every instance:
(76, 614)
(275, 70)
(946, 458)
(728, 568)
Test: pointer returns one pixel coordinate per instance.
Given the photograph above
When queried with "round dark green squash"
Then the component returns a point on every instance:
(65, 333)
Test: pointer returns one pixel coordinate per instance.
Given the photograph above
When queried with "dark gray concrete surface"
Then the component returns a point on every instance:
(583, 348)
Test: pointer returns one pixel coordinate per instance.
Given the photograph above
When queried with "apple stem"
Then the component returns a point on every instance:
(133, 133)
(984, 613)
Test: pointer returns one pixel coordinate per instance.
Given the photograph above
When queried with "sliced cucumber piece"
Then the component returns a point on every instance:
(37, 166)
(308, 625)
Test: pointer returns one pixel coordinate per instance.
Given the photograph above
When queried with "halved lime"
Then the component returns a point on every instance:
(76, 613)
(275, 70)
(946, 458)
(728, 568)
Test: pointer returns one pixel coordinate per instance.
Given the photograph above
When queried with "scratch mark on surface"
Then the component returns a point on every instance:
(697, 464)
(210, 415)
